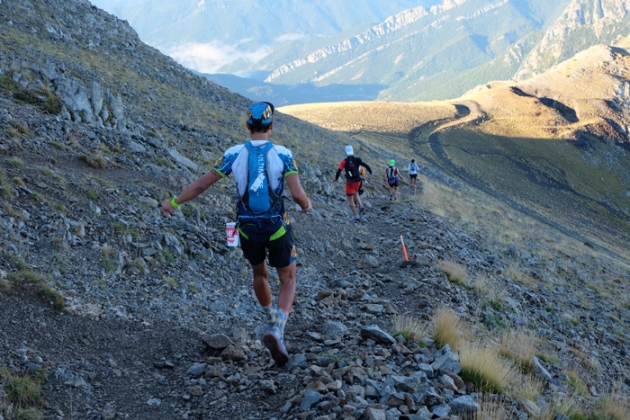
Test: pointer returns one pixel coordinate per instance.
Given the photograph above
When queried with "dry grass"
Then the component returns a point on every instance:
(615, 406)
(6, 191)
(455, 273)
(11, 211)
(483, 366)
(518, 346)
(435, 196)
(561, 405)
(94, 161)
(16, 162)
(492, 408)
(380, 117)
(515, 273)
(171, 282)
(412, 329)
(448, 328)
(527, 386)
(576, 382)
(589, 362)
(490, 289)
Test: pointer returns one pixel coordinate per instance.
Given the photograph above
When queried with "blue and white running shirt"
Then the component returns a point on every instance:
(280, 164)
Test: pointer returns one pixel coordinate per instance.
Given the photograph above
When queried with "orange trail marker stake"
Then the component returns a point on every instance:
(404, 249)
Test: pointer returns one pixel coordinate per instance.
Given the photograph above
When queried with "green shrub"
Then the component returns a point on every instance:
(52, 104)
(16, 161)
(23, 391)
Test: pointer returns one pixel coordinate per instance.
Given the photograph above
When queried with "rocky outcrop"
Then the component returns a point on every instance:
(603, 20)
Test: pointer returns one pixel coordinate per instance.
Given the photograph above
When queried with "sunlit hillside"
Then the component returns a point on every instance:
(554, 146)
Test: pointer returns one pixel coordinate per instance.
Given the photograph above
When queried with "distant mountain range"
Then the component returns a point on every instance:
(207, 34)
(401, 51)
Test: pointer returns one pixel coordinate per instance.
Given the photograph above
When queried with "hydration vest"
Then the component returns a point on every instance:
(392, 174)
(353, 173)
(260, 211)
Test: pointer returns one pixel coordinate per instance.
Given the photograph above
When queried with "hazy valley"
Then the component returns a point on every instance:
(422, 51)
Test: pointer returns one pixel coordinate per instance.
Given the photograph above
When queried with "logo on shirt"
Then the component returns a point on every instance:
(260, 179)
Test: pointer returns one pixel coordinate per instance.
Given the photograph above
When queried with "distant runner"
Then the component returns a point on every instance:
(357, 200)
(391, 176)
(352, 164)
(261, 170)
(413, 174)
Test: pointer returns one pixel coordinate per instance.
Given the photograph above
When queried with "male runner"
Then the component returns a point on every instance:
(261, 170)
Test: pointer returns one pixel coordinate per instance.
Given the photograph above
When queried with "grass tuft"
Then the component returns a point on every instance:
(120, 229)
(447, 328)
(94, 161)
(22, 396)
(615, 406)
(576, 382)
(485, 369)
(109, 262)
(455, 273)
(16, 162)
(171, 282)
(516, 274)
(412, 329)
(518, 346)
(492, 407)
(23, 391)
(11, 211)
(26, 276)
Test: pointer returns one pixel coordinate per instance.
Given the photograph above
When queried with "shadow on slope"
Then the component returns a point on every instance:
(559, 184)
(566, 112)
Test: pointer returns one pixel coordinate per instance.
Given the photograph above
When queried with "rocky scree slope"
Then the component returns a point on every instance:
(159, 320)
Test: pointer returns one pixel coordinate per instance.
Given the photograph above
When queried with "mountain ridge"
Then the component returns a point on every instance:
(602, 14)
(462, 39)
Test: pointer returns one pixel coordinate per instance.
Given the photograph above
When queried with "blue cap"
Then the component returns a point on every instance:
(260, 113)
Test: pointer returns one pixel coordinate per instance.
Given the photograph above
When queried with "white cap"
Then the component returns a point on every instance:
(349, 150)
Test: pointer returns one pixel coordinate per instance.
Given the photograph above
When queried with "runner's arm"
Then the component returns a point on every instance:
(192, 191)
(342, 165)
(298, 193)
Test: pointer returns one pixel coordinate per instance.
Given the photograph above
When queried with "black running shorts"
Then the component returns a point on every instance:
(393, 184)
(413, 176)
(282, 252)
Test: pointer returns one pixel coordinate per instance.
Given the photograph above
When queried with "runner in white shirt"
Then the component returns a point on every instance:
(413, 172)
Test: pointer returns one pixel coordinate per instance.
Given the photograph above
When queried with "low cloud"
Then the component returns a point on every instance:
(295, 36)
(210, 57)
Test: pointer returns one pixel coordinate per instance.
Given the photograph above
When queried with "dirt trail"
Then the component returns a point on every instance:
(469, 114)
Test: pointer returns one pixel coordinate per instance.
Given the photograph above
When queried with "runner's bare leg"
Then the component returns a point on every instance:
(352, 204)
(261, 284)
(287, 277)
